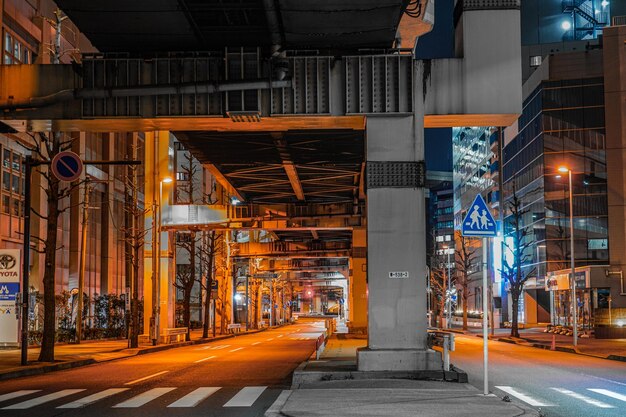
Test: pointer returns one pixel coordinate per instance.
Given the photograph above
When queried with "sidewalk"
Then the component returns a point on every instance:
(333, 386)
(613, 349)
(88, 352)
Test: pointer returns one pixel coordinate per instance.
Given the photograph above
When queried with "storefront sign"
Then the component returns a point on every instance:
(561, 282)
(9, 288)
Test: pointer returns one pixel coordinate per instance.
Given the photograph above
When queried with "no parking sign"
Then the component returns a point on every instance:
(67, 166)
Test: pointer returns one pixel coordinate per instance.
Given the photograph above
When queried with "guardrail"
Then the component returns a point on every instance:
(619, 20)
(445, 340)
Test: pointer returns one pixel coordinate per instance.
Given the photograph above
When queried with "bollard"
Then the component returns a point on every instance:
(446, 352)
(553, 346)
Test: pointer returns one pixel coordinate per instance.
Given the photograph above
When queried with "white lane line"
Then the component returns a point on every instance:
(17, 394)
(605, 379)
(246, 397)
(523, 397)
(205, 359)
(584, 398)
(43, 399)
(221, 347)
(143, 398)
(194, 397)
(270, 339)
(608, 393)
(90, 399)
(280, 335)
(146, 377)
(235, 350)
(255, 343)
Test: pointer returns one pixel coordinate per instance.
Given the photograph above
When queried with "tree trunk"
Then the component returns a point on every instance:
(515, 308)
(49, 322)
(187, 312)
(210, 253)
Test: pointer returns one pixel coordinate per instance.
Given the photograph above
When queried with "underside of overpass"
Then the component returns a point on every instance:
(310, 118)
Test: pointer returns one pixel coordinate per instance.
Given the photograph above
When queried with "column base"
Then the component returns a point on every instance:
(408, 360)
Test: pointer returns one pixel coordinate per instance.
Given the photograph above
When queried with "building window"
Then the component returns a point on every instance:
(535, 61)
(12, 187)
(15, 51)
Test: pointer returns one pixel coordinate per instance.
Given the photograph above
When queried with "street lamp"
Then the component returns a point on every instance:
(563, 170)
(156, 260)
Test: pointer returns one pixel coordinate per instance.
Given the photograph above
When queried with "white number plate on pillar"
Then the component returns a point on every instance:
(399, 274)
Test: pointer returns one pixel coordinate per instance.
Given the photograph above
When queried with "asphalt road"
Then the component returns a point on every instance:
(240, 376)
(560, 384)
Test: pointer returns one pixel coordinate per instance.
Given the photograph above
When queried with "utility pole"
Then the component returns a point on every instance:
(81, 270)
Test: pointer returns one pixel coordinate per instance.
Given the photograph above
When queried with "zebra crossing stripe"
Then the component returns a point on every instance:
(194, 397)
(584, 398)
(245, 397)
(93, 398)
(608, 393)
(43, 399)
(523, 397)
(143, 398)
(17, 394)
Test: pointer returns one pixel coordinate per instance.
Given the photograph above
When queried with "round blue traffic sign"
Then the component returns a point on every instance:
(67, 166)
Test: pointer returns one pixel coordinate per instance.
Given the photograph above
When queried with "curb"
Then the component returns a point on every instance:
(39, 369)
(538, 345)
(274, 410)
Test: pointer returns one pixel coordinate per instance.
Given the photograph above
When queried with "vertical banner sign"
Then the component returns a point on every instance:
(10, 270)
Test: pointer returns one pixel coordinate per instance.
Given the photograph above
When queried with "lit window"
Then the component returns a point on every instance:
(535, 61)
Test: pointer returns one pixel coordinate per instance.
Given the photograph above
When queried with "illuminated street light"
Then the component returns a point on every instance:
(564, 169)
(566, 25)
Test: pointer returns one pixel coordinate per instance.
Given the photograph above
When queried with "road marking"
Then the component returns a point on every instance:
(280, 335)
(146, 377)
(270, 339)
(245, 397)
(584, 398)
(194, 397)
(43, 399)
(221, 347)
(16, 394)
(255, 343)
(605, 379)
(205, 359)
(235, 350)
(143, 398)
(93, 398)
(608, 393)
(523, 397)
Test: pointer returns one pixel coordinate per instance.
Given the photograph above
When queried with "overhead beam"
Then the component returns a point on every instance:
(289, 166)
(223, 181)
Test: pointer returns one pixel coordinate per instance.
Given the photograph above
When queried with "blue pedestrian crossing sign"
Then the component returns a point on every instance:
(478, 221)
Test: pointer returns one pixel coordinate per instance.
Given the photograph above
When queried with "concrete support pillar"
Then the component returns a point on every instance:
(396, 244)
(158, 167)
(356, 300)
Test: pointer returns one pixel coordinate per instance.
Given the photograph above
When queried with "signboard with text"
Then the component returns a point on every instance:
(10, 270)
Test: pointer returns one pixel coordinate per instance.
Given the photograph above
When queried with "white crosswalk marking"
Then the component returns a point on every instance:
(143, 398)
(194, 397)
(608, 393)
(245, 397)
(17, 394)
(584, 398)
(93, 398)
(43, 399)
(523, 397)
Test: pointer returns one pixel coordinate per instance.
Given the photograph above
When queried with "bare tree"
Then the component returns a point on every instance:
(43, 147)
(438, 282)
(465, 258)
(519, 247)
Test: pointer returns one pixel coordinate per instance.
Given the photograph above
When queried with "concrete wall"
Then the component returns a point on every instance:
(615, 116)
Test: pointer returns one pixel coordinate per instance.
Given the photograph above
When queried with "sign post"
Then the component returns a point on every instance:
(480, 223)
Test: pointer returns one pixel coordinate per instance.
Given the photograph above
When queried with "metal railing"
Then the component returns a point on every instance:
(619, 20)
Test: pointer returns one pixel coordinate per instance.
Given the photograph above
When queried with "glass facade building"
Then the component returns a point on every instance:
(562, 125)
